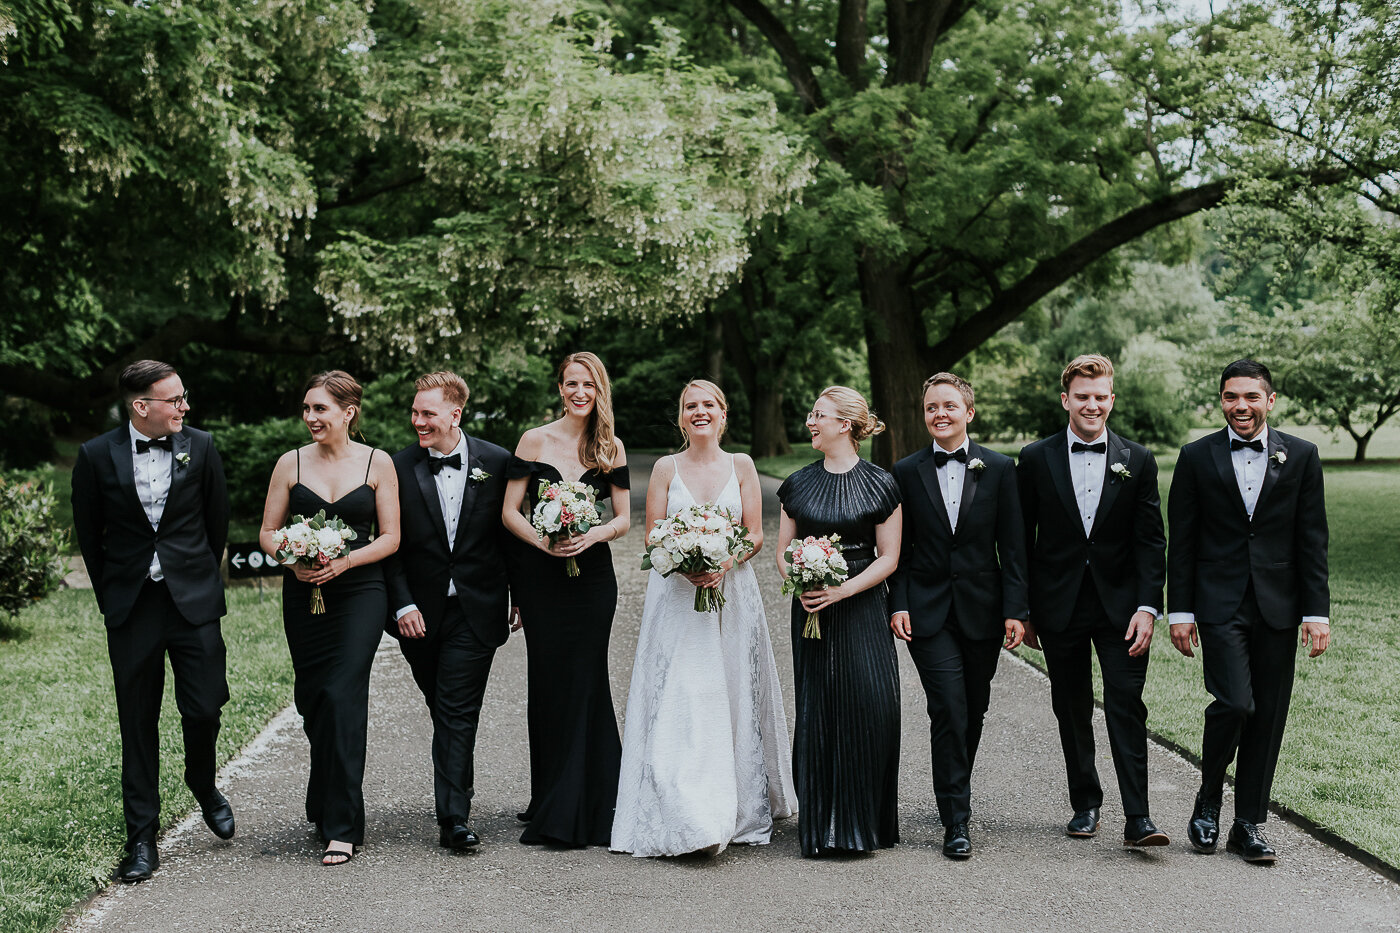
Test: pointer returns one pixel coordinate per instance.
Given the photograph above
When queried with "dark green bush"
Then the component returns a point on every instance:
(32, 544)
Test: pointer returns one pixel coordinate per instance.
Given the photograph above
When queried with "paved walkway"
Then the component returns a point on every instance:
(1026, 874)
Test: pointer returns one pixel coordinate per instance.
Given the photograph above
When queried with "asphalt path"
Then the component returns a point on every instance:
(1025, 874)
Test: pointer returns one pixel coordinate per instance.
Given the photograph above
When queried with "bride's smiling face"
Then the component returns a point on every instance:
(324, 417)
(578, 390)
(701, 414)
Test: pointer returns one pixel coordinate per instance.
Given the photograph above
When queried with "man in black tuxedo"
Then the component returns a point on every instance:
(1247, 575)
(959, 594)
(448, 584)
(150, 509)
(1098, 561)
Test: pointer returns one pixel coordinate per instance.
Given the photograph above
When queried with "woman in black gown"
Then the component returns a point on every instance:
(845, 758)
(575, 752)
(332, 653)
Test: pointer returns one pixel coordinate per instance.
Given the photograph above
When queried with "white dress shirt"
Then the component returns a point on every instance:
(151, 470)
(1250, 467)
(1087, 470)
(451, 488)
(950, 483)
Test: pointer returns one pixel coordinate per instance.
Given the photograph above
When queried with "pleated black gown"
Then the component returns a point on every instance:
(845, 757)
(331, 658)
(575, 750)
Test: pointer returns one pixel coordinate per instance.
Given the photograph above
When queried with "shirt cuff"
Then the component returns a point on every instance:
(1181, 618)
(1317, 620)
(1150, 609)
(411, 607)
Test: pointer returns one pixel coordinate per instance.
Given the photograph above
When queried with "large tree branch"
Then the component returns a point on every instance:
(1052, 272)
(360, 197)
(915, 26)
(804, 81)
(852, 35)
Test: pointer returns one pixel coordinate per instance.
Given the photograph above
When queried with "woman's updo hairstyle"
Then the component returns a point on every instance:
(850, 405)
(709, 388)
(342, 387)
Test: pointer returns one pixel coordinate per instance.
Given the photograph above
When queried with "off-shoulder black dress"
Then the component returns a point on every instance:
(845, 756)
(575, 751)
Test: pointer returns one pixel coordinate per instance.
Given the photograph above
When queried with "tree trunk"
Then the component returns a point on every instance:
(897, 348)
(1361, 442)
(769, 432)
(714, 349)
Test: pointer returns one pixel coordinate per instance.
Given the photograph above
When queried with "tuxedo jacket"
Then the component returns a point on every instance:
(1125, 551)
(475, 562)
(117, 539)
(977, 575)
(1216, 551)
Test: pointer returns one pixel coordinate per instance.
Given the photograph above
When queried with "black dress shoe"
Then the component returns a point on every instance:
(1140, 831)
(1204, 828)
(218, 815)
(1249, 842)
(140, 863)
(457, 836)
(1084, 824)
(956, 844)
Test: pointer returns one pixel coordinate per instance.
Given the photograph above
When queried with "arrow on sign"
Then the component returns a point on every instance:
(236, 560)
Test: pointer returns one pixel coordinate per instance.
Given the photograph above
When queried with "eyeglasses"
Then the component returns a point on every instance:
(179, 401)
(819, 415)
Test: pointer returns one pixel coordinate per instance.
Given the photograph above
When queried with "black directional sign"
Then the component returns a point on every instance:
(246, 559)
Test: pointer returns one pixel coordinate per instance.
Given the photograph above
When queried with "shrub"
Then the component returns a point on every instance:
(32, 544)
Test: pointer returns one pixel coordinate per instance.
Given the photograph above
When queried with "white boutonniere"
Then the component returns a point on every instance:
(183, 458)
(1121, 471)
(976, 465)
(1279, 457)
(478, 475)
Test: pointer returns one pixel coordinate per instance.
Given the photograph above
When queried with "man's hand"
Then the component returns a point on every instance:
(411, 624)
(1015, 633)
(516, 623)
(1184, 637)
(1031, 640)
(899, 624)
(1316, 636)
(1139, 633)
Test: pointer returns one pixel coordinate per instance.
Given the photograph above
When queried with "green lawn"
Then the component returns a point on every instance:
(60, 777)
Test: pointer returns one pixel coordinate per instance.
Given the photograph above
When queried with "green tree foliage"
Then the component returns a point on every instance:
(31, 545)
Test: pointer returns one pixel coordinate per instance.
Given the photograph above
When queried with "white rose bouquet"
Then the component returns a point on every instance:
(310, 542)
(565, 509)
(815, 563)
(696, 539)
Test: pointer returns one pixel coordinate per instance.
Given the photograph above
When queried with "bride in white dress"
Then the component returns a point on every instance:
(706, 760)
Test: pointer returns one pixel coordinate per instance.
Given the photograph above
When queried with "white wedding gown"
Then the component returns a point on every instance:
(706, 759)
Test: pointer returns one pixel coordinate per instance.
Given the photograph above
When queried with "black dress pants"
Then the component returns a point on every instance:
(451, 665)
(957, 673)
(1249, 671)
(137, 649)
(1069, 665)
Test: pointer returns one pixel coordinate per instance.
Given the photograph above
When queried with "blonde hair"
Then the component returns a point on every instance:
(851, 406)
(597, 448)
(709, 387)
(950, 379)
(1086, 366)
(454, 387)
(344, 388)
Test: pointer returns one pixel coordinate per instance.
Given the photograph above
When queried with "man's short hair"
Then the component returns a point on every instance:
(138, 377)
(454, 387)
(1086, 366)
(949, 379)
(1247, 369)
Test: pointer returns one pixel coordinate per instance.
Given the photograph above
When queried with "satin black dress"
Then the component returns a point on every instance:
(331, 657)
(575, 751)
(845, 757)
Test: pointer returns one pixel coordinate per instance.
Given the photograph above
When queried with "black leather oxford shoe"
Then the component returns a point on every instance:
(218, 815)
(1204, 828)
(1249, 842)
(1084, 823)
(956, 843)
(140, 863)
(1141, 831)
(458, 836)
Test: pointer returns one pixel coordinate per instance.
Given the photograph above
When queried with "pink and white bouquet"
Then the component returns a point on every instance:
(696, 539)
(815, 563)
(565, 509)
(311, 542)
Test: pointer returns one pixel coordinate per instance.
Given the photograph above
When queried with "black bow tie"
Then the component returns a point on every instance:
(941, 457)
(1255, 445)
(437, 463)
(162, 442)
(1081, 447)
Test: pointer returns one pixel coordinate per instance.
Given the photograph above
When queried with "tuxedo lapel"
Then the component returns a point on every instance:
(121, 463)
(929, 474)
(469, 490)
(428, 488)
(1272, 468)
(1220, 453)
(179, 444)
(971, 480)
(1057, 461)
(1112, 482)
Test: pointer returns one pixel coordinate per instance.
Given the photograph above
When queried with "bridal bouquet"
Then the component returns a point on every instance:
(816, 563)
(696, 539)
(565, 509)
(312, 541)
